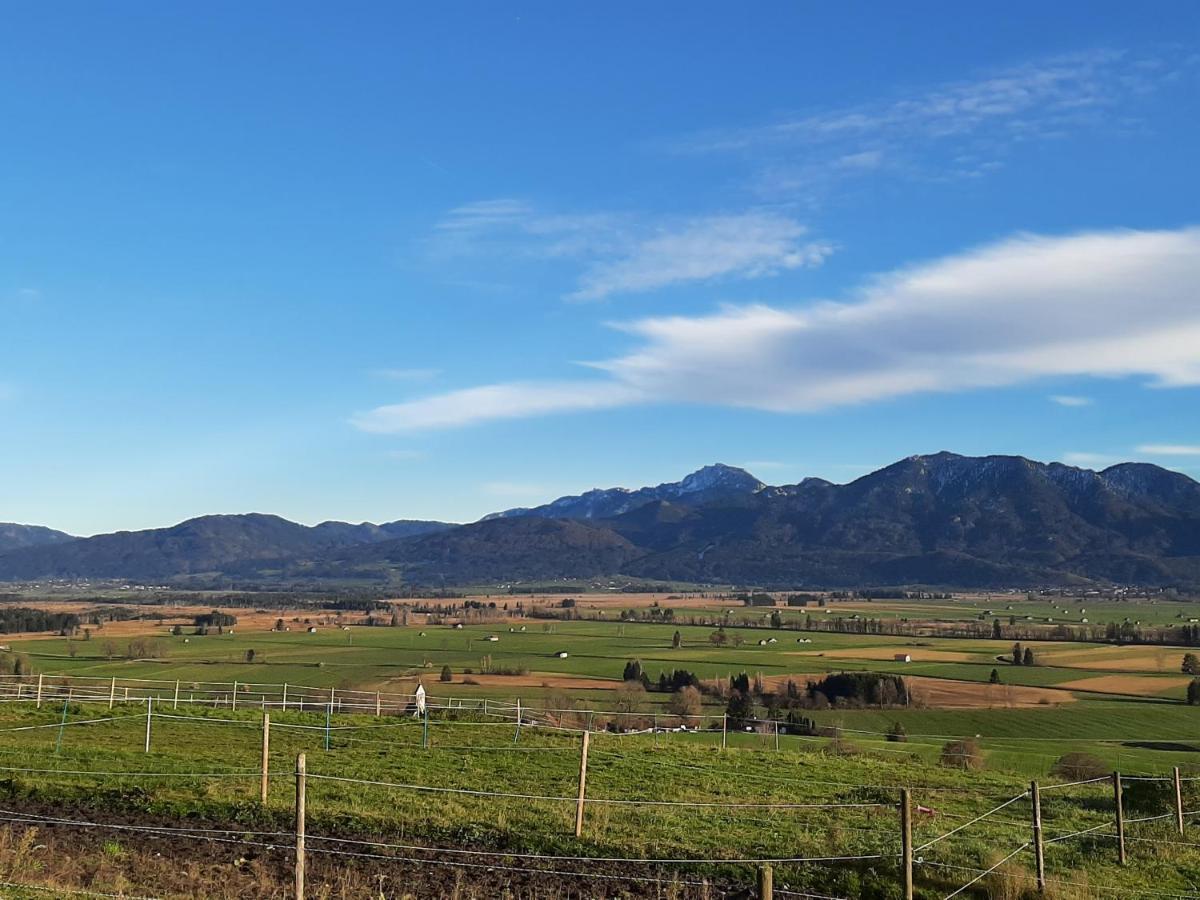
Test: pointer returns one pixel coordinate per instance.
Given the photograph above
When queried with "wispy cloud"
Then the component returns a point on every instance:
(1169, 449)
(407, 374)
(957, 129)
(1027, 308)
(623, 253)
(1070, 400)
(752, 245)
(495, 401)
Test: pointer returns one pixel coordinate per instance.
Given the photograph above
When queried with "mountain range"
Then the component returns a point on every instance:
(940, 519)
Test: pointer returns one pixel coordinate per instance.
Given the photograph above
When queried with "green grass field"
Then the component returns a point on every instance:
(1141, 735)
(848, 801)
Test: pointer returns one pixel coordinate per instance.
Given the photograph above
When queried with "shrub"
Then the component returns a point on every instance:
(1078, 766)
(447, 674)
(964, 754)
(898, 733)
(685, 702)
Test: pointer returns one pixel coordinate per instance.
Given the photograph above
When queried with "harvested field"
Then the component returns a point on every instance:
(1121, 659)
(1136, 685)
(944, 693)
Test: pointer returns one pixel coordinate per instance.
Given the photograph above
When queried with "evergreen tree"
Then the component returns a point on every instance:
(1028, 658)
(676, 640)
(995, 677)
(1017, 656)
(1191, 665)
(1193, 692)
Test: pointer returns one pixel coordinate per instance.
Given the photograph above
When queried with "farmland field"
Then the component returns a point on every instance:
(1121, 705)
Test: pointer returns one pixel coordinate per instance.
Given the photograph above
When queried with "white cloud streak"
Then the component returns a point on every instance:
(624, 253)
(1169, 449)
(1105, 304)
(1070, 400)
(492, 402)
(407, 374)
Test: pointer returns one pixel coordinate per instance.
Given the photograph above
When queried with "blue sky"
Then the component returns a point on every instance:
(396, 261)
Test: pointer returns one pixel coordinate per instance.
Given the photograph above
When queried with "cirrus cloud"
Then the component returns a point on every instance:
(1098, 304)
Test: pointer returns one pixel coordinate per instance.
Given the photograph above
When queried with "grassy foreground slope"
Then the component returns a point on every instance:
(659, 797)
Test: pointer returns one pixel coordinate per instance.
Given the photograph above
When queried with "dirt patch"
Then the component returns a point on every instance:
(1137, 685)
(533, 679)
(1141, 659)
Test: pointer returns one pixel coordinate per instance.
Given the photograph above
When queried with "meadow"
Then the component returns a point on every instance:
(1133, 721)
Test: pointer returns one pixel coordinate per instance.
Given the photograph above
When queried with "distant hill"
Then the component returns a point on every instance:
(14, 537)
(229, 544)
(706, 485)
(941, 519)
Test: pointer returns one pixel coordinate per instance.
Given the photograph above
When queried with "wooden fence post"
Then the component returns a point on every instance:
(1119, 804)
(906, 848)
(149, 718)
(425, 729)
(766, 882)
(724, 728)
(1178, 803)
(776, 734)
(175, 702)
(112, 693)
(517, 733)
(582, 786)
(1038, 854)
(378, 705)
(266, 756)
(285, 696)
(39, 691)
(233, 698)
(300, 791)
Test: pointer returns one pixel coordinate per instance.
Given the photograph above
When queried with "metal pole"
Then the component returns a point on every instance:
(149, 718)
(425, 729)
(517, 733)
(378, 705)
(328, 713)
(1119, 803)
(233, 698)
(285, 696)
(300, 785)
(39, 692)
(175, 702)
(1178, 803)
(266, 756)
(112, 693)
(63, 724)
(776, 734)
(906, 847)
(724, 729)
(582, 786)
(1038, 855)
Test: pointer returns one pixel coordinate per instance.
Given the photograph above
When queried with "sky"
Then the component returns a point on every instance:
(374, 261)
